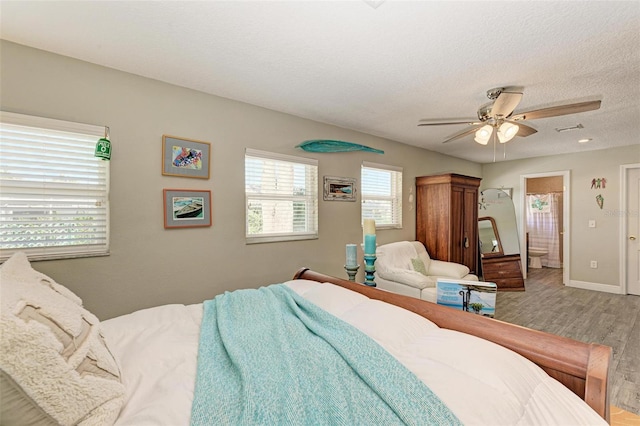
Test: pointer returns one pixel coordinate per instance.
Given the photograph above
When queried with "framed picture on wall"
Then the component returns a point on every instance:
(185, 157)
(185, 208)
(339, 189)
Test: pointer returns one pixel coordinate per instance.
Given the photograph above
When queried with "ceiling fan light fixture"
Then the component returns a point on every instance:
(507, 131)
(499, 115)
(483, 134)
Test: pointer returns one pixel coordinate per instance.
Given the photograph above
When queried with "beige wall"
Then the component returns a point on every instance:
(601, 243)
(149, 265)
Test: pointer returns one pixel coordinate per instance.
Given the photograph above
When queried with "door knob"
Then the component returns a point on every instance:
(632, 238)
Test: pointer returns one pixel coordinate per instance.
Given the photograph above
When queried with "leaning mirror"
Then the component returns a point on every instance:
(497, 204)
(490, 244)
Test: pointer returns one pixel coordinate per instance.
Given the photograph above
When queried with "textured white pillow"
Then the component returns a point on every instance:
(55, 366)
(418, 265)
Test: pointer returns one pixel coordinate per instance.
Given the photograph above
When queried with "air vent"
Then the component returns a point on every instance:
(570, 128)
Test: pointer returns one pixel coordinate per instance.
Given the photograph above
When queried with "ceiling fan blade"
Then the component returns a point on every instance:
(505, 103)
(462, 133)
(524, 130)
(446, 122)
(557, 110)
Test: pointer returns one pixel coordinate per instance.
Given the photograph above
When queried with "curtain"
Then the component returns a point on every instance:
(543, 225)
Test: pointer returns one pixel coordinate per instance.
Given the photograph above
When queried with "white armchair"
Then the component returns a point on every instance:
(404, 267)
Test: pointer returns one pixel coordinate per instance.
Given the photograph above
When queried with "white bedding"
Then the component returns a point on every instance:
(482, 383)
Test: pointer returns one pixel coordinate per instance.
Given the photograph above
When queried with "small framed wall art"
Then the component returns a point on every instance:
(185, 208)
(185, 157)
(339, 189)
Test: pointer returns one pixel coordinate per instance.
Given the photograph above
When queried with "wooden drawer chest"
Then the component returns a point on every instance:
(505, 271)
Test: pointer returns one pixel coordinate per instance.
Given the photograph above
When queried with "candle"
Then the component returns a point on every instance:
(370, 244)
(351, 256)
(368, 227)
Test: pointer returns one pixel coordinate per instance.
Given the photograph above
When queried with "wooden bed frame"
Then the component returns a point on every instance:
(581, 367)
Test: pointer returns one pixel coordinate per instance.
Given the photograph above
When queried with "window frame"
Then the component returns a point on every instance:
(311, 183)
(90, 134)
(395, 197)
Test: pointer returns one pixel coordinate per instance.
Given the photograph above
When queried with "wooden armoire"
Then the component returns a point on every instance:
(447, 217)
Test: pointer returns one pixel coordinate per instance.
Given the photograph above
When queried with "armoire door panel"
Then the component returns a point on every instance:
(456, 244)
(470, 218)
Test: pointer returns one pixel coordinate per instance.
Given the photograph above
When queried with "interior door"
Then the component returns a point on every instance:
(566, 221)
(633, 226)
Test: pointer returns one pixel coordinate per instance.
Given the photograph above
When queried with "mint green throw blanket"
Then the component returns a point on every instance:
(270, 357)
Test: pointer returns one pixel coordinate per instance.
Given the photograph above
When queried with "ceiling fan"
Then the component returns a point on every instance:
(497, 118)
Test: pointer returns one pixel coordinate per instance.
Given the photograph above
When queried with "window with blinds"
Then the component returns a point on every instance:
(281, 197)
(381, 194)
(54, 194)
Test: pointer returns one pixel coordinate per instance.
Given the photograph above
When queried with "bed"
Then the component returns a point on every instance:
(581, 367)
(143, 368)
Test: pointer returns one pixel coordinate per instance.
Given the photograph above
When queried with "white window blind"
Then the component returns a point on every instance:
(54, 194)
(382, 194)
(281, 197)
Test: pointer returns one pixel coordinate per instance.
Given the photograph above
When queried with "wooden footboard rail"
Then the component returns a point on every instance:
(581, 367)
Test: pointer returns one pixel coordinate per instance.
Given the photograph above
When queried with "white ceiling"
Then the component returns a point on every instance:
(375, 70)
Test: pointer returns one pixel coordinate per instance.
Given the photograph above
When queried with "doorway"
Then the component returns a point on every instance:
(551, 188)
(630, 228)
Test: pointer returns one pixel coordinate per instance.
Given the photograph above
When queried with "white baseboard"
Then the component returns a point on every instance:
(606, 288)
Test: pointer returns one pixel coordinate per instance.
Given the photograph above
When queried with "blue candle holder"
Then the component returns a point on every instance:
(352, 271)
(369, 269)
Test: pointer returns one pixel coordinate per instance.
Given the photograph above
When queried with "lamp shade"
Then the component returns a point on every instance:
(483, 134)
(507, 131)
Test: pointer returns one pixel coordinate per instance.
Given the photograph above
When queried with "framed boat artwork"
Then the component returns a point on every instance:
(186, 208)
(185, 157)
(339, 189)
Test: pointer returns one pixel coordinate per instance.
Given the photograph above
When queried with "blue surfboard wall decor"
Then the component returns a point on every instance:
(323, 145)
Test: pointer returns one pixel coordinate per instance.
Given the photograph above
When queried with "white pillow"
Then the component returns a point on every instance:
(55, 366)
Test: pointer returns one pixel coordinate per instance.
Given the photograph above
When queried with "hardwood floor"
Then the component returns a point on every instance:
(585, 315)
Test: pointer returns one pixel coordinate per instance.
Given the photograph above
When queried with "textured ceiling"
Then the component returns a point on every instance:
(375, 70)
